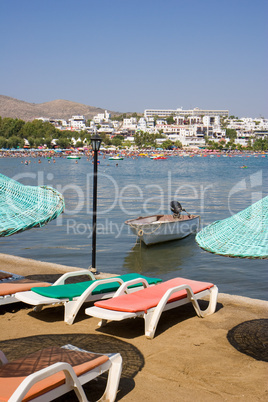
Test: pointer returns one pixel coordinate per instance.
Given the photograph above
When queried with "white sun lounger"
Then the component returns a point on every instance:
(73, 296)
(70, 368)
(150, 302)
(9, 288)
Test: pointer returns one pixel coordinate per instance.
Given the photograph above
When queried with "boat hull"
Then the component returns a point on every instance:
(73, 157)
(162, 228)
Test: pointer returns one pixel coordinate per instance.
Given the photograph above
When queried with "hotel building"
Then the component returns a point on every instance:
(180, 112)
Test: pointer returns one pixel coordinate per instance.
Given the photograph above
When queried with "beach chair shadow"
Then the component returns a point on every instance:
(129, 328)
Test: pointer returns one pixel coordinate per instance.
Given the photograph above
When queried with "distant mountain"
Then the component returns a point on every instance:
(57, 109)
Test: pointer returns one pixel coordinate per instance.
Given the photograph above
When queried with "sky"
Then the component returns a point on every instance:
(128, 56)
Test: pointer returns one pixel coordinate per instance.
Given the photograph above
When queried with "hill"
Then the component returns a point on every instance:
(57, 109)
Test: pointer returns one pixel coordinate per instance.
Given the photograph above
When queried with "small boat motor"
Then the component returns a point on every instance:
(176, 208)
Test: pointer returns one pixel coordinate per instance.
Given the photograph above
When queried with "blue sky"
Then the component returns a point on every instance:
(127, 56)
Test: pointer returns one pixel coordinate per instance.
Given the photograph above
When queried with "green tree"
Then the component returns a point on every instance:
(170, 119)
(38, 142)
(167, 144)
(249, 144)
(261, 144)
(106, 139)
(47, 142)
(231, 133)
(64, 143)
(79, 144)
(117, 140)
(178, 144)
(127, 143)
(3, 142)
(14, 142)
(144, 139)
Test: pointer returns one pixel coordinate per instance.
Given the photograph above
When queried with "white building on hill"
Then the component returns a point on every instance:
(102, 117)
(130, 123)
(180, 112)
(77, 122)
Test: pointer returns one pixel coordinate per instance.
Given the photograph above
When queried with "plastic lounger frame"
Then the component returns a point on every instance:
(152, 315)
(113, 365)
(71, 307)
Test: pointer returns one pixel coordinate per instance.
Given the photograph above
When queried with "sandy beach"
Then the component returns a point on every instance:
(222, 357)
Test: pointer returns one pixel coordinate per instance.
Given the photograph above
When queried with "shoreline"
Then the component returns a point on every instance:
(217, 358)
(21, 266)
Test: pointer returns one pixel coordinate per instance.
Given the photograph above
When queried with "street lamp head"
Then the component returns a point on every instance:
(95, 142)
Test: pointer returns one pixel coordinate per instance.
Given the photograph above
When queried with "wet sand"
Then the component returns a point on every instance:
(218, 358)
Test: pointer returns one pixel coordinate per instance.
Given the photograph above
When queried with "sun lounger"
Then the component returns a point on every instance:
(150, 302)
(74, 295)
(8, 289)
(52, 372)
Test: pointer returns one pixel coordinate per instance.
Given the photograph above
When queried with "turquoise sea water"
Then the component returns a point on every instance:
(213, 187)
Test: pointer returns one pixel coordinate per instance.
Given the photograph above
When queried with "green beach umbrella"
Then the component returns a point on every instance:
(244, 234)
(24, 207)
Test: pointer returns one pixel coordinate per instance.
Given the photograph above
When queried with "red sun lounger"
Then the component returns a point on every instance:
(150, 302)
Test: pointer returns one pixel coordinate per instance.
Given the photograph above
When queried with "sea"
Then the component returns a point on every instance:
(214, 187)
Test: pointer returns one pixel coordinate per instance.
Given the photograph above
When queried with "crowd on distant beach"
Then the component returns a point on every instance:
(50, 155)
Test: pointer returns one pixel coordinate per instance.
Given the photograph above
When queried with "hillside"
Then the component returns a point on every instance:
(57, 109)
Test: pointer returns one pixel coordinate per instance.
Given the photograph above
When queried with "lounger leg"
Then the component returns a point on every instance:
(70, 311)
(72, 307)
(150, 321)
(152, 317)
(38, 308)
(113, 378)
(102, 323)
(211, 306)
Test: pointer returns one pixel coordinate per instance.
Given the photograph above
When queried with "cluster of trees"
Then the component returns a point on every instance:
(144, 139)
(14, 132)
(258, 145)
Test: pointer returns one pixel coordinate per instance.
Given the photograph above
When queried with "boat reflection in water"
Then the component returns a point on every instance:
(159, 259)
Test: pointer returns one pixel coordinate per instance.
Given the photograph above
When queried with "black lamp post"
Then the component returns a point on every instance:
(95, 143)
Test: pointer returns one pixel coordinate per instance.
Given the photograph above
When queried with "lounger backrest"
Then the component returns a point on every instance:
(144, 299)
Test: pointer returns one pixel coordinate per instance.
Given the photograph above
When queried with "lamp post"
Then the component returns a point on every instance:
(95, 143)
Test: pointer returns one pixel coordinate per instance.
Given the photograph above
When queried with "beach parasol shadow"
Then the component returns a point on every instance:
(251, 338)
(133, 360)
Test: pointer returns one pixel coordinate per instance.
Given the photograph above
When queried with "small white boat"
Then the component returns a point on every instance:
(161, 228)
(116, 158)
(73, 157)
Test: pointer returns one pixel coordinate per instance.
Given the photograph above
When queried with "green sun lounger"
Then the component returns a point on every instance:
(73, 295)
